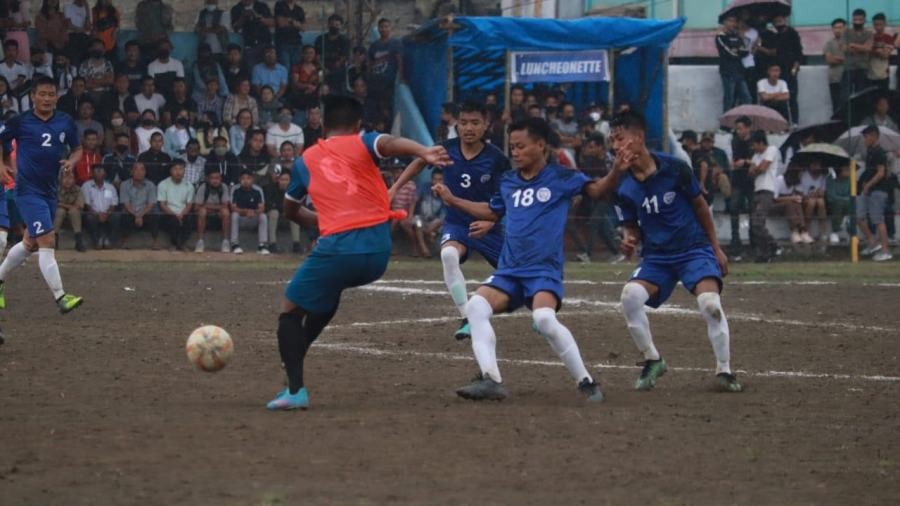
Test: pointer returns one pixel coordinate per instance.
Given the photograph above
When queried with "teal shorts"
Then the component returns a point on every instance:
(318, 283)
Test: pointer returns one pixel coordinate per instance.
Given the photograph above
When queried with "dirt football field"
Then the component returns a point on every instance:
(101, 407)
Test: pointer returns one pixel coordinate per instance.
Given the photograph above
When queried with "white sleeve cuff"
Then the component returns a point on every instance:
(375, 146)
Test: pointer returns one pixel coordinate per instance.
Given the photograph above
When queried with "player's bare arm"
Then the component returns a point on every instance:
(630, 240)
(389, 146)
(756, 170)
(300, 215)
(69, 163)
(704, 216)
(603, 187)
(477, 210)
(411, 171)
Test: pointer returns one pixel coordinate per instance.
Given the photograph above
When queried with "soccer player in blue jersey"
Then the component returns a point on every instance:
(475, 176)
(662, 207)
(42, 135)
(535, 200)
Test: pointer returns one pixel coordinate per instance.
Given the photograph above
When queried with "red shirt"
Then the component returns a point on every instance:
(83, 167)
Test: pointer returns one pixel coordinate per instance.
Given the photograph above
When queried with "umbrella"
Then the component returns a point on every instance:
(822, 132)
(762, 117)
(852, 140)
(767, 8)
(829, 154)
(862, 103)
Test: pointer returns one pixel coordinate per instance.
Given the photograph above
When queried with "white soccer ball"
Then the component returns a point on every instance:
(209, 348)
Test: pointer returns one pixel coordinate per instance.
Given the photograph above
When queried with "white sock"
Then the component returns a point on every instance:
(634, 296)
(16, 257)
(484, 341)
(562, 342)
(3, 236)
(453, 277)
(50, 270)
(717, 327)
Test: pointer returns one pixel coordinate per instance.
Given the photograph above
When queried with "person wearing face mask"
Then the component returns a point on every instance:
(857, 43)
(179, 101)
(164, 69)
(283, 131)
(118, 126)
(567, 127)
(145, 130)
(223, 161)
(119, 161)
(212, 26)
(178, 135)
(334, 47)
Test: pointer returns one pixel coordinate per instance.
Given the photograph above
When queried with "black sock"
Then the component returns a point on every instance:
(292, 344)
(316, 323)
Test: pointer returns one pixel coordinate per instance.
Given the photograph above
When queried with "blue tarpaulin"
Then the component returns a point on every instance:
(639, 71)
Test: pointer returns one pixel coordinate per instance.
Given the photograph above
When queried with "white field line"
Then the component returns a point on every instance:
(376, 352)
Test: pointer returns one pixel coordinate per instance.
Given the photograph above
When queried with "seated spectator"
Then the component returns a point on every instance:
(138, 198)
(87, 122)
(118, 126)
(773, 91)
(71, 102)
(875, 185)
(370, 105)
(211, 101)
(289, 19)
(41, 63)
(268, 107)
(64, 73)
(178, 135)
(212, 26)
(154, 21)
(358, 69)
(195, 165)
(78, 14)
(239, 101)
(237, 134)
(148, 98)
(313, 131)
(837, 198)
(165, 69)
(118, 99)
(430, 216)
(8, 101)
(119, 161)
(132, 67)
(178, 102)
(156, 161)
(812, 183)
(96, 70)
(880, 116)
(52, 27)
(305, 84)
(142, 133)
(222, 160)
(255, 158)
(449, 118)
(100, 216)
(235, 69)
(274, 196)
(287, 156)
(70, 205)
(248, 211)
(253, 20)
(404, 199)
(208, 128)
(284, 131)
(270, 73)
(212, 201)
(789, 203)
(90, 156)
(106, 26)
(176, 198)
(206, 68)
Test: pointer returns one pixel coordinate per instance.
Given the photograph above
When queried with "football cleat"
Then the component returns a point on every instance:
(727, 382)
(285, 401)
(2, 295)
(651, 372)
(68, 302)
(483, 388)
(463, 332)
(591, 390)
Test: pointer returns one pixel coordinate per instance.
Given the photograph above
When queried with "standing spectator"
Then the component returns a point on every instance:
(774, 92)
(385, 66)
(138, 198)
(874, 184)
(15, 72)
(176, 198)
(212, 201)
(741, 183)
(275, 209)
(449, 119)
(223, 161)
(148, 98)
(237, 134)
(289, 19)
(117, 126)
(144, 131)
(52, 27)
(206, 68)
(118, 163)
(880, 57)
(212, 26)
(211, 101)
(118, 99)
(87, 122)
(751, 39)
(195, 165)
(268, 107)
(70, 205)
(248, 210)
(78, 13)
(730, 46)
(178, 135)
(96, 70)
(90, 157)
(837, 198)
(284, 131)
(789, 203)
(789, 57)
(208, 128)
(253, 20)
(154, 21)
(63, 73)
(101, 218)
(764, 166)
(70, 103)
(238, 102)
(106, 26)
(304, 88)
(132, 67)
(567, 127)
(156, 161)
(164, 69)
(881, 115)
(179, 101)
(834, 57)
(270, 73)
(18, 24)
(236, 69)
(812, 184)
(312, 132)
(596, 161)
(857, 44)
(334, 47)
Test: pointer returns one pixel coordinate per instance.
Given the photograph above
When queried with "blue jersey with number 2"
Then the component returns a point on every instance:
(40, 145)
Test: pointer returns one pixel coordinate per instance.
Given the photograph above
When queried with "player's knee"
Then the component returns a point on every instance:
(450, 256)
(544, 320)
(478, 308)
(710, 305)
(634, 296)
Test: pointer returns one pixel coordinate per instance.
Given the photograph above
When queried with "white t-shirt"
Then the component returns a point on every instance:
(157, 67)
(143, 137)
(763, 86)
(12, 73)
(766, 180)
(76, 15)
(782, 189)
(810, 184)
(153, 103)
(275, 136)
(749, 37)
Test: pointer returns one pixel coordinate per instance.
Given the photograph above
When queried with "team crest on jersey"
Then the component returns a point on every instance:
(669, 197)
(485, 178)
(62, 137)
(543, 195)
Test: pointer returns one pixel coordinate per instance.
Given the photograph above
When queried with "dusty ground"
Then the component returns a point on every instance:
(102, 407)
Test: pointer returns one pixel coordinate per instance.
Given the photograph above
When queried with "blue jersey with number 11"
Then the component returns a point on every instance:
(40, 145)
(476, 179)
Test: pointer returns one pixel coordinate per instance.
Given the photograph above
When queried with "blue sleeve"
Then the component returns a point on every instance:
(687, 181)
(572, 182)
(72, 138)
(624, 210)
(370, 141)
(299, 186)
(497, 205)
(9, 131)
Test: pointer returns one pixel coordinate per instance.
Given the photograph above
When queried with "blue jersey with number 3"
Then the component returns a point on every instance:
(40, 145)
(476, 179)
(536, 211)
(662, 207)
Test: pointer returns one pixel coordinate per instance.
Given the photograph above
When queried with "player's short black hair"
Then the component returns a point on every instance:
(838, 20)
(759, 137)
(537, 128)
(879, 17)
(872, 129)
(341, 112)
(744, 120)
(859, 12)
(471, 106)
(629, 119)
(43, 80)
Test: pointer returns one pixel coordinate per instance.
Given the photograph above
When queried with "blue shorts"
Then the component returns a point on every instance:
(38, 213)
(689, 267)
(489, 246)
(521, 291)
(15, 218)
(4, 213)
(318, 283)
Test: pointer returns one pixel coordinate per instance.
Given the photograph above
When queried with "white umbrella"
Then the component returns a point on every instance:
(852, 140)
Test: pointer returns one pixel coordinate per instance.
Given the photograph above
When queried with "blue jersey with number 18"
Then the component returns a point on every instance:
(40, 145)
(476, 179)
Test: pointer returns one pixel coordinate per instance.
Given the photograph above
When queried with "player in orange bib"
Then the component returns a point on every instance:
(353, 213)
